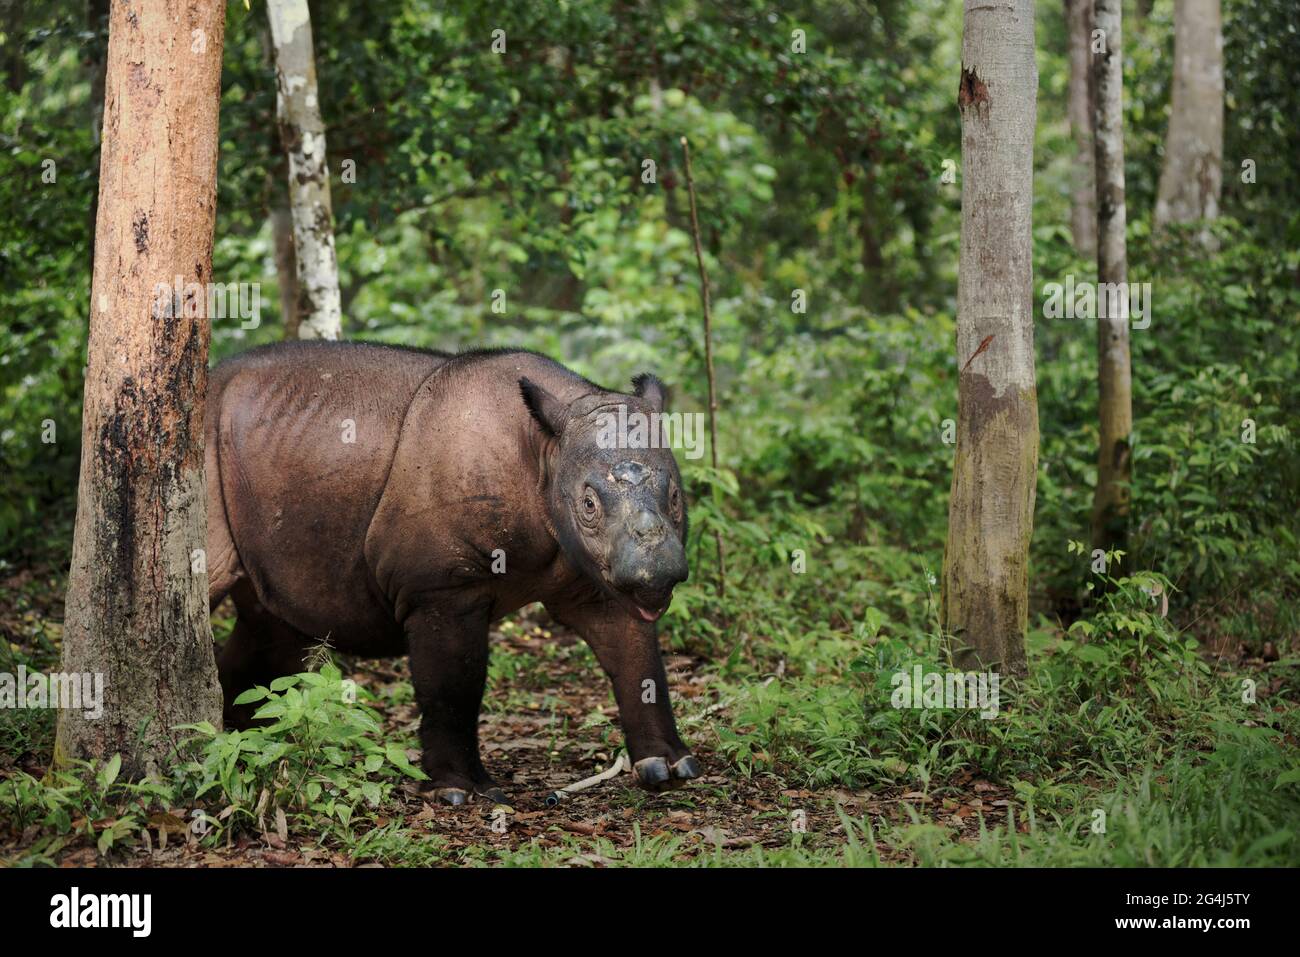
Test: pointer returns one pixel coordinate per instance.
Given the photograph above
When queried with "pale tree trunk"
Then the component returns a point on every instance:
(1193, 173)
(302, 133)
(281, 219)
(1083, 213)
(1110, 507)
(137, 604)
(990, 515)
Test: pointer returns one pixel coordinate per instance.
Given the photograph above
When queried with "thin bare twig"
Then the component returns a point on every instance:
(708, 355)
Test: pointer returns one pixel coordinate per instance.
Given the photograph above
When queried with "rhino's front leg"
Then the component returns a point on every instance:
(628, 651)
(449, 654)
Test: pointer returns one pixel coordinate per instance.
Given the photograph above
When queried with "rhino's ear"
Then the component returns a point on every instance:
(650, 389)
(549, 411)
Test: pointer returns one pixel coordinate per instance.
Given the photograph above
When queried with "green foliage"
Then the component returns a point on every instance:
(318, 754)
(1120, 714)
(84, 800)
(316, 760)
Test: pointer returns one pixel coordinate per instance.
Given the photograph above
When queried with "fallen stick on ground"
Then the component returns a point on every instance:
(555, 797)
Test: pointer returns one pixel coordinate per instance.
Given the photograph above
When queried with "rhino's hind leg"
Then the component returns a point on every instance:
(449, 654)
(259, 650)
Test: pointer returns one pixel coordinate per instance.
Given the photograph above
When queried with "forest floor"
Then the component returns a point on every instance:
(1184, 752)
(549, 720)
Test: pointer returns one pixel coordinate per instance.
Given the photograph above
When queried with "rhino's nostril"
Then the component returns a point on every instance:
(647, 525)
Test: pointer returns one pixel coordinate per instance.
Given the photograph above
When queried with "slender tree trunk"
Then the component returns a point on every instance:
(281, 219)
(706, 300)
(882, 290)
(1192, 177)
(286, 268)
(137, 608)
(302, 133)
(1114, 376)
(1083, 219)
(97, 24)
(15, 65)
(872, 258)
(991, 511)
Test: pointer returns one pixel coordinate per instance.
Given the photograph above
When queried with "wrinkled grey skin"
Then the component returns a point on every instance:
(386, 543)
(618, 513)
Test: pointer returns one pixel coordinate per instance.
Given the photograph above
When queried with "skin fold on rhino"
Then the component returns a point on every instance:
(395, 501)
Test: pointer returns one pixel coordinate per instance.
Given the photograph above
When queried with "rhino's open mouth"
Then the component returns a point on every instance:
(649, 615)
(650, 606)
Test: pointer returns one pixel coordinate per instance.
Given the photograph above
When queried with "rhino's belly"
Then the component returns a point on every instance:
(328, 603)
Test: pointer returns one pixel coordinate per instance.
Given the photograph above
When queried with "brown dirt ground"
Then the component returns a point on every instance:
(545, 725)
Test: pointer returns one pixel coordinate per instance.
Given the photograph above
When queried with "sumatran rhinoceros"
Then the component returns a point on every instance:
(395, 502)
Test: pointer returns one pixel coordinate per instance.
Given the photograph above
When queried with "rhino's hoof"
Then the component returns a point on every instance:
(651, 773)
(496, 796)
(454, 796)
(687, 768)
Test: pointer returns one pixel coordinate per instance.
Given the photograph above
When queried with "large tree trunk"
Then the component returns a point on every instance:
(1083, 218)
(1193, 173)
(990, 516)
(1114, 377)
(137, 609)
(303, 135)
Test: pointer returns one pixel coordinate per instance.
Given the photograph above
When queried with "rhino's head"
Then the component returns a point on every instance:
(614, 494)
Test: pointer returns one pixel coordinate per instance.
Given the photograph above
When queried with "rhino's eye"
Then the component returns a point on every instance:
(675, 502)
(589, 506)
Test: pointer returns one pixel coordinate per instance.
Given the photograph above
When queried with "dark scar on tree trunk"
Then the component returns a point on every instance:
(972, 91)
(116, 529)
(982, 404)
(140, 227)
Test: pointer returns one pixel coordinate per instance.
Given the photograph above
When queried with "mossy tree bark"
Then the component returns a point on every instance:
(990, 516)
(1192, 177)
(1110, 507)
(302, 133)
(137, 604)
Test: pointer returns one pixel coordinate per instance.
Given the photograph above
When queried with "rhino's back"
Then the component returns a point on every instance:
(304, 435)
